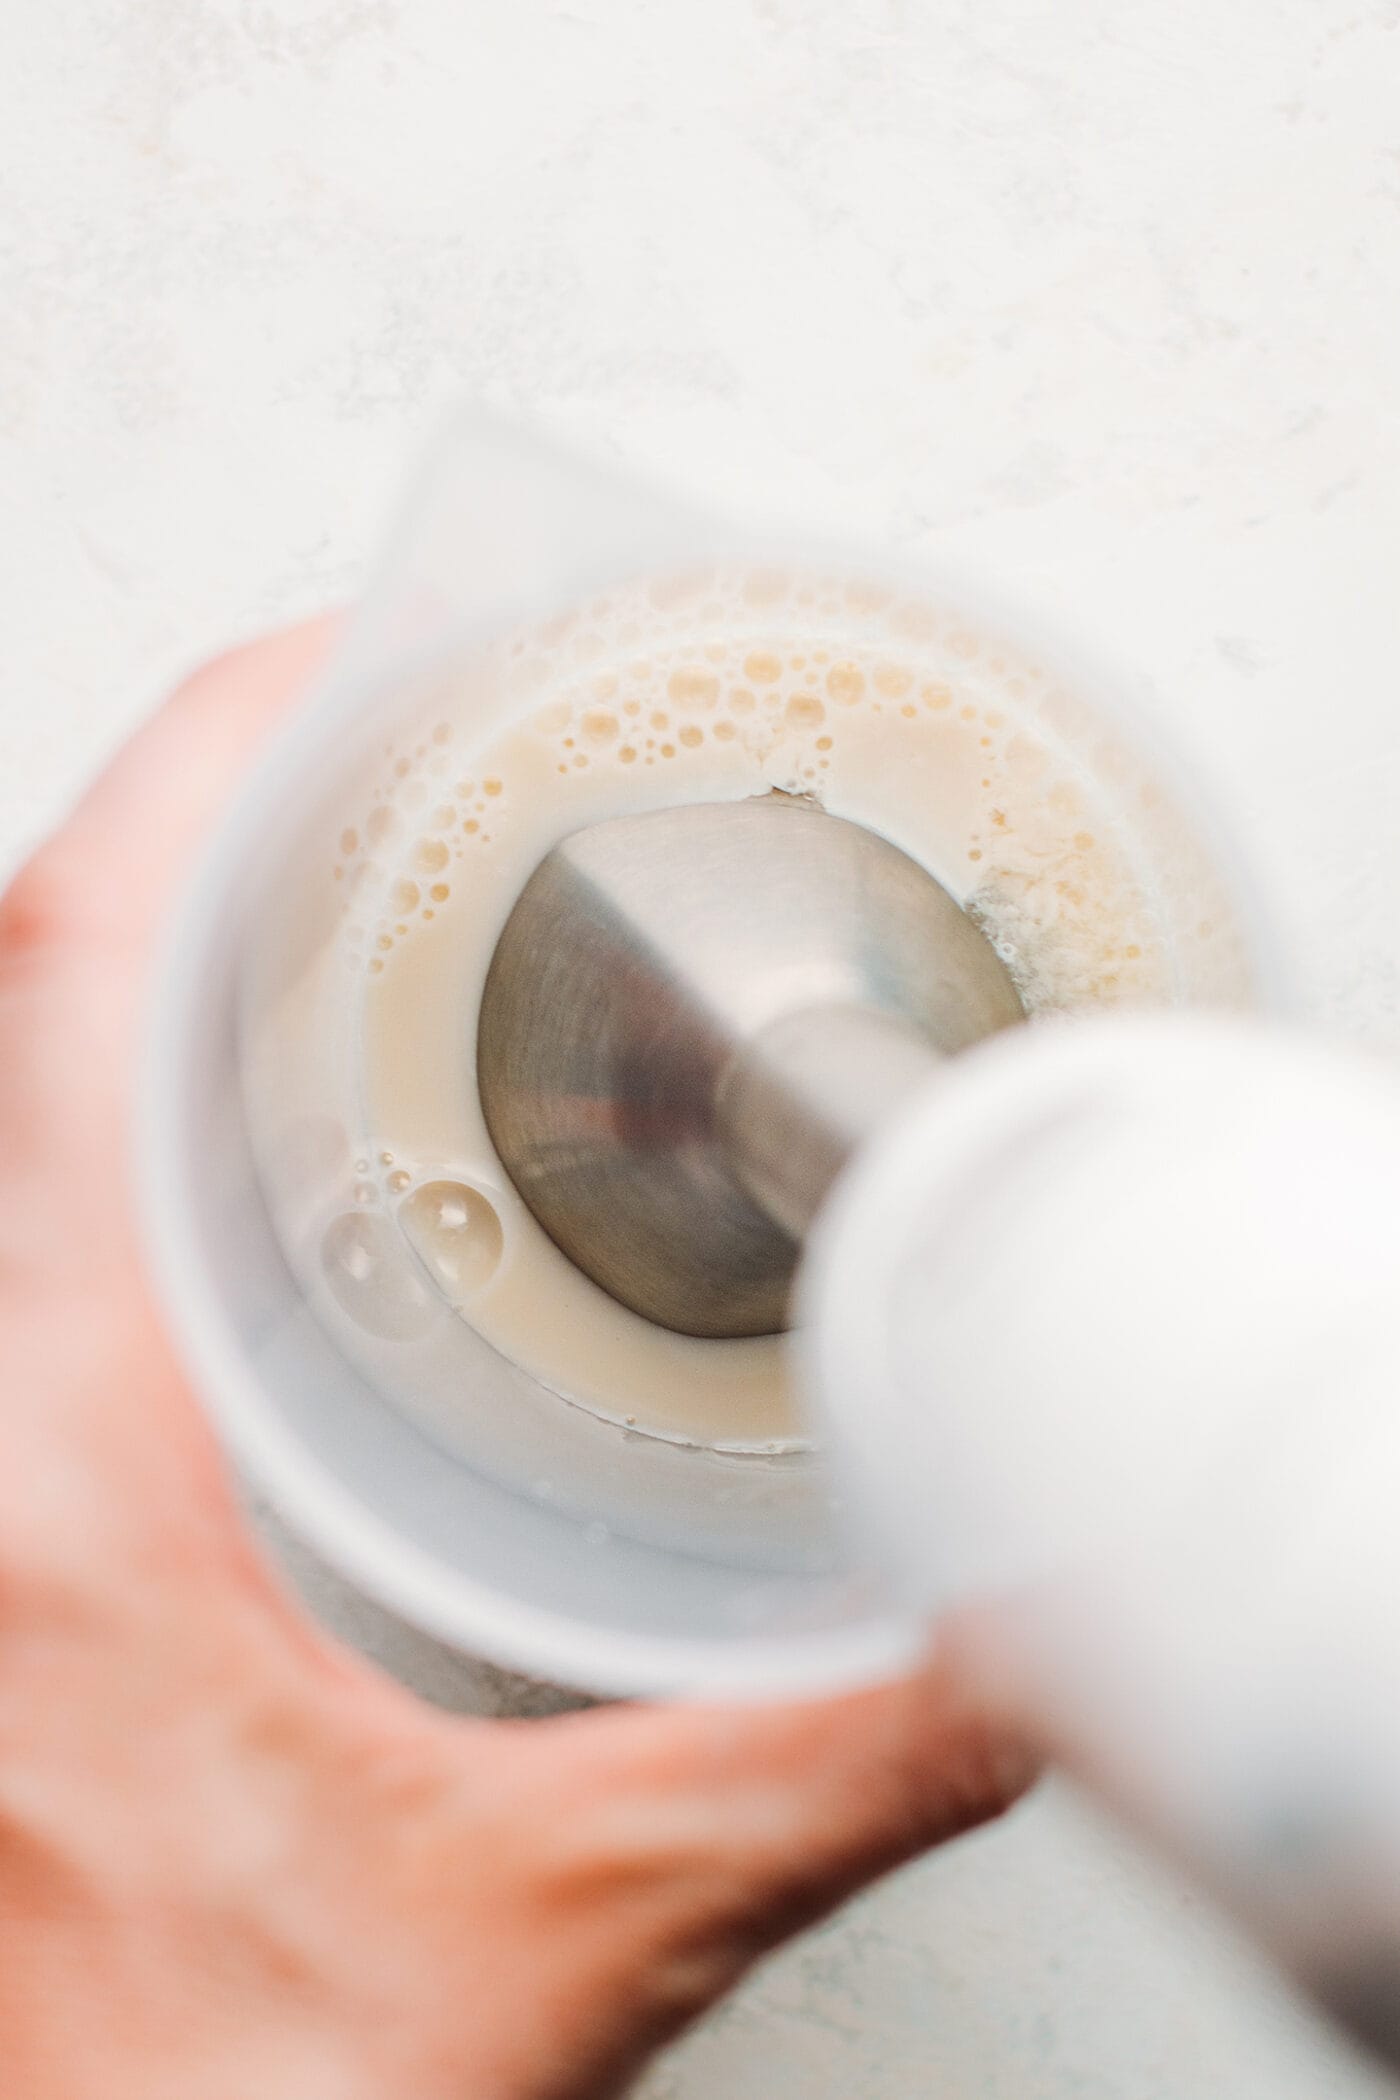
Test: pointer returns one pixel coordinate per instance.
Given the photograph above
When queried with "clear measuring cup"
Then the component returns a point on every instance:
(447, 1476)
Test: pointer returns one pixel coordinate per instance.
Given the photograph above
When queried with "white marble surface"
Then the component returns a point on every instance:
(1104, 294)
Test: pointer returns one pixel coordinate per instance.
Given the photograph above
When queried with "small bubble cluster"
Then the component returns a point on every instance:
(456, 1232)
(452, 1227)
(398, 864)
(775, 673)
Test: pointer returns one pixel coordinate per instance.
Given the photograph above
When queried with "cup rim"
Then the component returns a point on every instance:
(366, 1550)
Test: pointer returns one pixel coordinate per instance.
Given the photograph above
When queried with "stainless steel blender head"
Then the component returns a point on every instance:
(692, 1018)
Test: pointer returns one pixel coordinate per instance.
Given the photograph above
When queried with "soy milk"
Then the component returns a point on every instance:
(901, 717)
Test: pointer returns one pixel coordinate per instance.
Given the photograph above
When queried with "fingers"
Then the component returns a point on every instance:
(79, 923)
(108, 874)
(98, 1416)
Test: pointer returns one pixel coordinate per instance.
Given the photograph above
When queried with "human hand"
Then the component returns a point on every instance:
(234, 1860)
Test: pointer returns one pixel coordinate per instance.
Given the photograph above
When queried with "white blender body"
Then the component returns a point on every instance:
(1105, 1329)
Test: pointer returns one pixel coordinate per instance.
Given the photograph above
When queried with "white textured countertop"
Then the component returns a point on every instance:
(1104, 295)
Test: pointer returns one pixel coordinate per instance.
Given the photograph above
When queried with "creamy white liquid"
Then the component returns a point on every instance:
(904, 720)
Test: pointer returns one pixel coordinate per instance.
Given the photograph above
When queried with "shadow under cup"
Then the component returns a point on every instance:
(438, 1476)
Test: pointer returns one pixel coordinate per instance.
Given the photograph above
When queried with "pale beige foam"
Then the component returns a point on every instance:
(956, 752)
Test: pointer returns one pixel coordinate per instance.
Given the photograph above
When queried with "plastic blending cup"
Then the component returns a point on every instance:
(449, 1482)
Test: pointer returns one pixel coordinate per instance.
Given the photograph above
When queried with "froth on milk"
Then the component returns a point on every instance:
(902, 717)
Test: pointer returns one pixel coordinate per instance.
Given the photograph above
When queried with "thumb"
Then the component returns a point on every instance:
(656, 1852)
(761, 1818)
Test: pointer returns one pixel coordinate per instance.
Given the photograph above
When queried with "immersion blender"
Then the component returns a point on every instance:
(1100, 1317)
